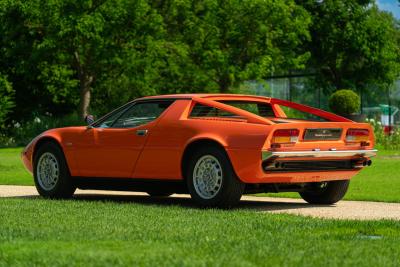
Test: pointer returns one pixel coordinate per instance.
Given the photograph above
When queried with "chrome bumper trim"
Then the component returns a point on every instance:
(319, 154)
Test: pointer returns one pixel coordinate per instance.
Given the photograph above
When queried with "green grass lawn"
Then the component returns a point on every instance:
(140, 231)
(111, 232)
(380, 182)
(11, 169)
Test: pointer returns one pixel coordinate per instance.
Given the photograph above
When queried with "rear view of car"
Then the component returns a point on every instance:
(306, 150)
(216, 147)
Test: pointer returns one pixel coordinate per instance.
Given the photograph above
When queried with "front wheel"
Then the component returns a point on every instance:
(326, 192)
(211, 179)
(51, 174)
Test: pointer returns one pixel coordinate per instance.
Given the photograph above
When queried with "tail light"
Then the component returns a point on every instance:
(357, 135)
(285, 136)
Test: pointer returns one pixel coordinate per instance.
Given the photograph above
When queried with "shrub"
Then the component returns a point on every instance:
(21, 133)
(389, 142)
(344, 102)
(6, 100)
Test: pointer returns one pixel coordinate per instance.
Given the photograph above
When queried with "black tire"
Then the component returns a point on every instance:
(158, 194)
(230, 189)
(63, 187)
(326, 193)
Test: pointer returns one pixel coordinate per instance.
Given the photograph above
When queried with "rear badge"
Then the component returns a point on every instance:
(322, 134)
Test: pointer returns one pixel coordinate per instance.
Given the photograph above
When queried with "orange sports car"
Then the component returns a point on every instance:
(214, 146)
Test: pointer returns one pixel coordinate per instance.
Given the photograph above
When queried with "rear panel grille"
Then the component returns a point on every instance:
(322, 134)
(316, 165)
(323, 165)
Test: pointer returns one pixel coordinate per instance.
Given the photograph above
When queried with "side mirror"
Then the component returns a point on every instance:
(89, 119)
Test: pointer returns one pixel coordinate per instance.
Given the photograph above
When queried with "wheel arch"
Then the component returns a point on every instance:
(43, 140)
(196, 144)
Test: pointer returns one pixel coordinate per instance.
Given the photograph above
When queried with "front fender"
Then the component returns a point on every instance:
(59, 136)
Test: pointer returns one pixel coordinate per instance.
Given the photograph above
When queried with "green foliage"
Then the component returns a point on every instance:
(21, 61)
(75, 56)
(6, 100)
(344, 102)
(55, 52)
(353, 44)
(389, 142)
(228, 42)
(97, 46)
(23, 132)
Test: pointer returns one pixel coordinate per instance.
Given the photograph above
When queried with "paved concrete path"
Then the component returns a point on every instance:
(355, 210)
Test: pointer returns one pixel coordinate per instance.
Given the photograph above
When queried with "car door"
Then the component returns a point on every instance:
(112, 147)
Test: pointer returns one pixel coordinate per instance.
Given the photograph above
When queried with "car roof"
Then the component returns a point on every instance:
(210, 96)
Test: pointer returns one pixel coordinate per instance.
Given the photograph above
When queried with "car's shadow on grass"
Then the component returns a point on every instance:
(185, 202)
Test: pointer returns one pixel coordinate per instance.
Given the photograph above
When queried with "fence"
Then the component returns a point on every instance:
(378, 104)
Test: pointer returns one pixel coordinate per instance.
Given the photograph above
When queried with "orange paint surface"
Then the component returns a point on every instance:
(121, 153)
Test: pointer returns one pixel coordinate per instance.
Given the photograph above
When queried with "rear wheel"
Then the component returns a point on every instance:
(211, 180)
(326, 192)
(51, 174)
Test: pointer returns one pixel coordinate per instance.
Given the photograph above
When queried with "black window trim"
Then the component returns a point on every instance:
(128, 106)
(236, 101)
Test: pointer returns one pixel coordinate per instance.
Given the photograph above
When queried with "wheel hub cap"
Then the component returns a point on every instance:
(47, 171)
(207, 177)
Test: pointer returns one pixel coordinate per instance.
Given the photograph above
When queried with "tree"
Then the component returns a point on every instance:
(94, 41)
(81, 44)
(59, 54)
(19, 61)
(353, 44)
(228, 42)
(6, 99)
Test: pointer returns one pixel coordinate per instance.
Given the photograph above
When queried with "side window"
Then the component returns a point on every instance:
(141, 113)
(206, 111)
(110, 120)
(107, 120)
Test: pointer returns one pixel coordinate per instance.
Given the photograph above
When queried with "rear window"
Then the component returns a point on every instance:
(260, 109)
(296, 114)
(206, 111)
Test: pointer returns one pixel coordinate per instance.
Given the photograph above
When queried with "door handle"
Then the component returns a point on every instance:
(141, 132)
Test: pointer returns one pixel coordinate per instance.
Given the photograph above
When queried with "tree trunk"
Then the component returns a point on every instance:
(84, 98)
(224, 83)
(85, 82)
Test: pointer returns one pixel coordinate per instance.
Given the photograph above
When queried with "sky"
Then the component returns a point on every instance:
(391, 6)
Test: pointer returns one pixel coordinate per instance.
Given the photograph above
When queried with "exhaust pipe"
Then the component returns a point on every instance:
(358, 165)
(361, 164)
(273, 165)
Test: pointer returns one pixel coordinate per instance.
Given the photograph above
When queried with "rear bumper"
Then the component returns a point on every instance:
(367, 153)
(311, 161)
(304, 167)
